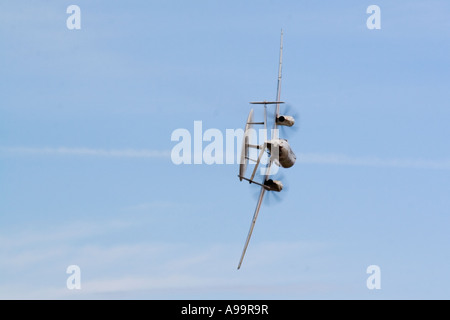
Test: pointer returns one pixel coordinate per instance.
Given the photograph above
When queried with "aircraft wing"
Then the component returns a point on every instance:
(277, 113)
(255, 215)
(277, 102)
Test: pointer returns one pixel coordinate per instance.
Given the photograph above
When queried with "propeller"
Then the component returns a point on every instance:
(271, 197)
(285, 131)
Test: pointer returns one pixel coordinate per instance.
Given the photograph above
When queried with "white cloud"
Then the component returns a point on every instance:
(121, 153)
(307, 158)
(342, 159)
(74, 230)
(145, 269)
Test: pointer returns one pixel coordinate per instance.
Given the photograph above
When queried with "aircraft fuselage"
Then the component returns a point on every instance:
(285, 157)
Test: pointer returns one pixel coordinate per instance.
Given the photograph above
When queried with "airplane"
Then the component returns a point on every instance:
(279, 150)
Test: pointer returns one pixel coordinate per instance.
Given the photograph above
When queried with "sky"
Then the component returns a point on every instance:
(87, 178)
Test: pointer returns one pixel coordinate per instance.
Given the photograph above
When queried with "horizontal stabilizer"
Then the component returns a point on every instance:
(252, 181)
(266, 102)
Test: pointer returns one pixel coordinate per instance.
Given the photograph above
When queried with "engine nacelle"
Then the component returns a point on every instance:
(273, 185)
(285, 121)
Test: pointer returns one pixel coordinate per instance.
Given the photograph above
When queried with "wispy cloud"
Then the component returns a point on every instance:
(307, 158)
(29, 236)
(121, 153)
(342, 159)
(145, 269)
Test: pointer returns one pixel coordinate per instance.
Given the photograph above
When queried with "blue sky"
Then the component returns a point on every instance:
(86, 176)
